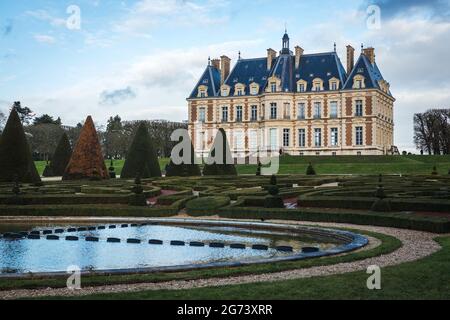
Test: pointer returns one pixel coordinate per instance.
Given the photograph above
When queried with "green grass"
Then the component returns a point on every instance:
(428, 278)
(388, 245)
(337, 165)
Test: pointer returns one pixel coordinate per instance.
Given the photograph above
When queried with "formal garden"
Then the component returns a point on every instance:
(309, 231)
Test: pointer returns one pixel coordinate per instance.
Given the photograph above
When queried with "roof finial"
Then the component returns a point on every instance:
(209, 61)
(335, 47)
(362, 47)
(239, 55)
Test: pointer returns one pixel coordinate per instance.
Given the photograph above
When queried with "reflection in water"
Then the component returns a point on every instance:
(51, 256)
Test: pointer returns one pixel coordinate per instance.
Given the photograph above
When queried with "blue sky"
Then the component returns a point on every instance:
(141, 58)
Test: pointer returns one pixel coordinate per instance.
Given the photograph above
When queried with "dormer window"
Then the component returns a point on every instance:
(301, 86)
(239, 90)
(359, 82)
(202, 92)
(273, 87)
(317, 85)
(225, 90)
(254, 89)
(334, 84)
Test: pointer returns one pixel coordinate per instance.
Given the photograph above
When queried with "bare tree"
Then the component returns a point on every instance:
(432, 131)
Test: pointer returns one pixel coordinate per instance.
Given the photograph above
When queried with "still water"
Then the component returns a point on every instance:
(23, 256)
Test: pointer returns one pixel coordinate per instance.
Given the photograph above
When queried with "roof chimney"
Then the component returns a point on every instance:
(370, 53)
(350, 58)
(216, 63)
(298, 54)
(271, 55)
(224, 68)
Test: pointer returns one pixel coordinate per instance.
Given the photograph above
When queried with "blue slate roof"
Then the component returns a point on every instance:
(321, 65)
(211, 79)
(370, 72)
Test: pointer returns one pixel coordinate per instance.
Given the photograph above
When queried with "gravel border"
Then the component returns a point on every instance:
(416, 245)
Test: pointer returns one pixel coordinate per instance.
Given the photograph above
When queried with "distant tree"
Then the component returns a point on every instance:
(190, 169)
(432, 131)
(46, 119)
(2, 121)
(25, 114)
(43, 139)
(61, 157)
(115, 139)
(74, 132)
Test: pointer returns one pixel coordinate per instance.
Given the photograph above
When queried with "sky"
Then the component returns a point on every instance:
(142, 58)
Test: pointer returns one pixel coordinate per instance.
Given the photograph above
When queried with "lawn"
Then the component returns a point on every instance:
(338, 165)
(424, 279)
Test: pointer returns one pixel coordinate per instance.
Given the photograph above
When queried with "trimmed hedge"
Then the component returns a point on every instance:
(206, 206)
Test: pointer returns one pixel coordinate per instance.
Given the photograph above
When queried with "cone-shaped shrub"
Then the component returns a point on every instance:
(435, 172)
(87, 160)
(190, 169)
(141, 159)
(60, 158)
(220, 164)
(310, 170)
(15, 154)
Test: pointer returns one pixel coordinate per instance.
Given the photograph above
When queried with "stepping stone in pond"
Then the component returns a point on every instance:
(285, 249)
(113, 240)
(92, 228)
(310, 250)
(52, 237)
(71, 230)
(260, 247)
(92, 239)
(217, 245)
(47, 232)
(13, 236)
(133, 225)
(112, 227)
(237, 246)
(23, 233)
(59, 231)
(35, 232)
(135, 241)
(82, 229)
(157, 242)
(101, 228)
(196, 244)
(124, 226)
(72, 238)
(34, 237)
(177, 243)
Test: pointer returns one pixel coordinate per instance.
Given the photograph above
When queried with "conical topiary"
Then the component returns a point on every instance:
(222, 165)
(310, 170)
(60, 158)
(435, 172)
(190, 169)
(15, 153)
(87, 160)
(141, 159)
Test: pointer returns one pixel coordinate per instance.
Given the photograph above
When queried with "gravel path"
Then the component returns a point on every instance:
(416, 245)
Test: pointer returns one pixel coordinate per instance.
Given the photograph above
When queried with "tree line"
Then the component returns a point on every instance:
(432, 131)
(44, 131)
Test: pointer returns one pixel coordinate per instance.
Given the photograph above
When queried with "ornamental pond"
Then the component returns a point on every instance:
(160, 245)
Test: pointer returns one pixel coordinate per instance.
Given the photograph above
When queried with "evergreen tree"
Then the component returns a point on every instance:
(190, 169)
(141, 159)
(15, 154)
(60, 158)
(226, 165)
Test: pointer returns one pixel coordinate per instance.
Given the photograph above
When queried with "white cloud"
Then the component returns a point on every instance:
(43, 38)
(148, 14)
(44, 15)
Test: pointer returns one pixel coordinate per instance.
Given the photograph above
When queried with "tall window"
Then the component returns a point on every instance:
(317, 110)
(359, 136)
(224, 114)
(240, 92)
(273, 111)
(359, 108)
(287, 110)
(334, 109)
(318, 137)
(286, 137)
(301, 87)
(301, 138)
(254, 113)
(239, 114)
(202, 115)
(334, 86)
(358, 84)
(334, 137)
(301, 111)
(273, 139)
